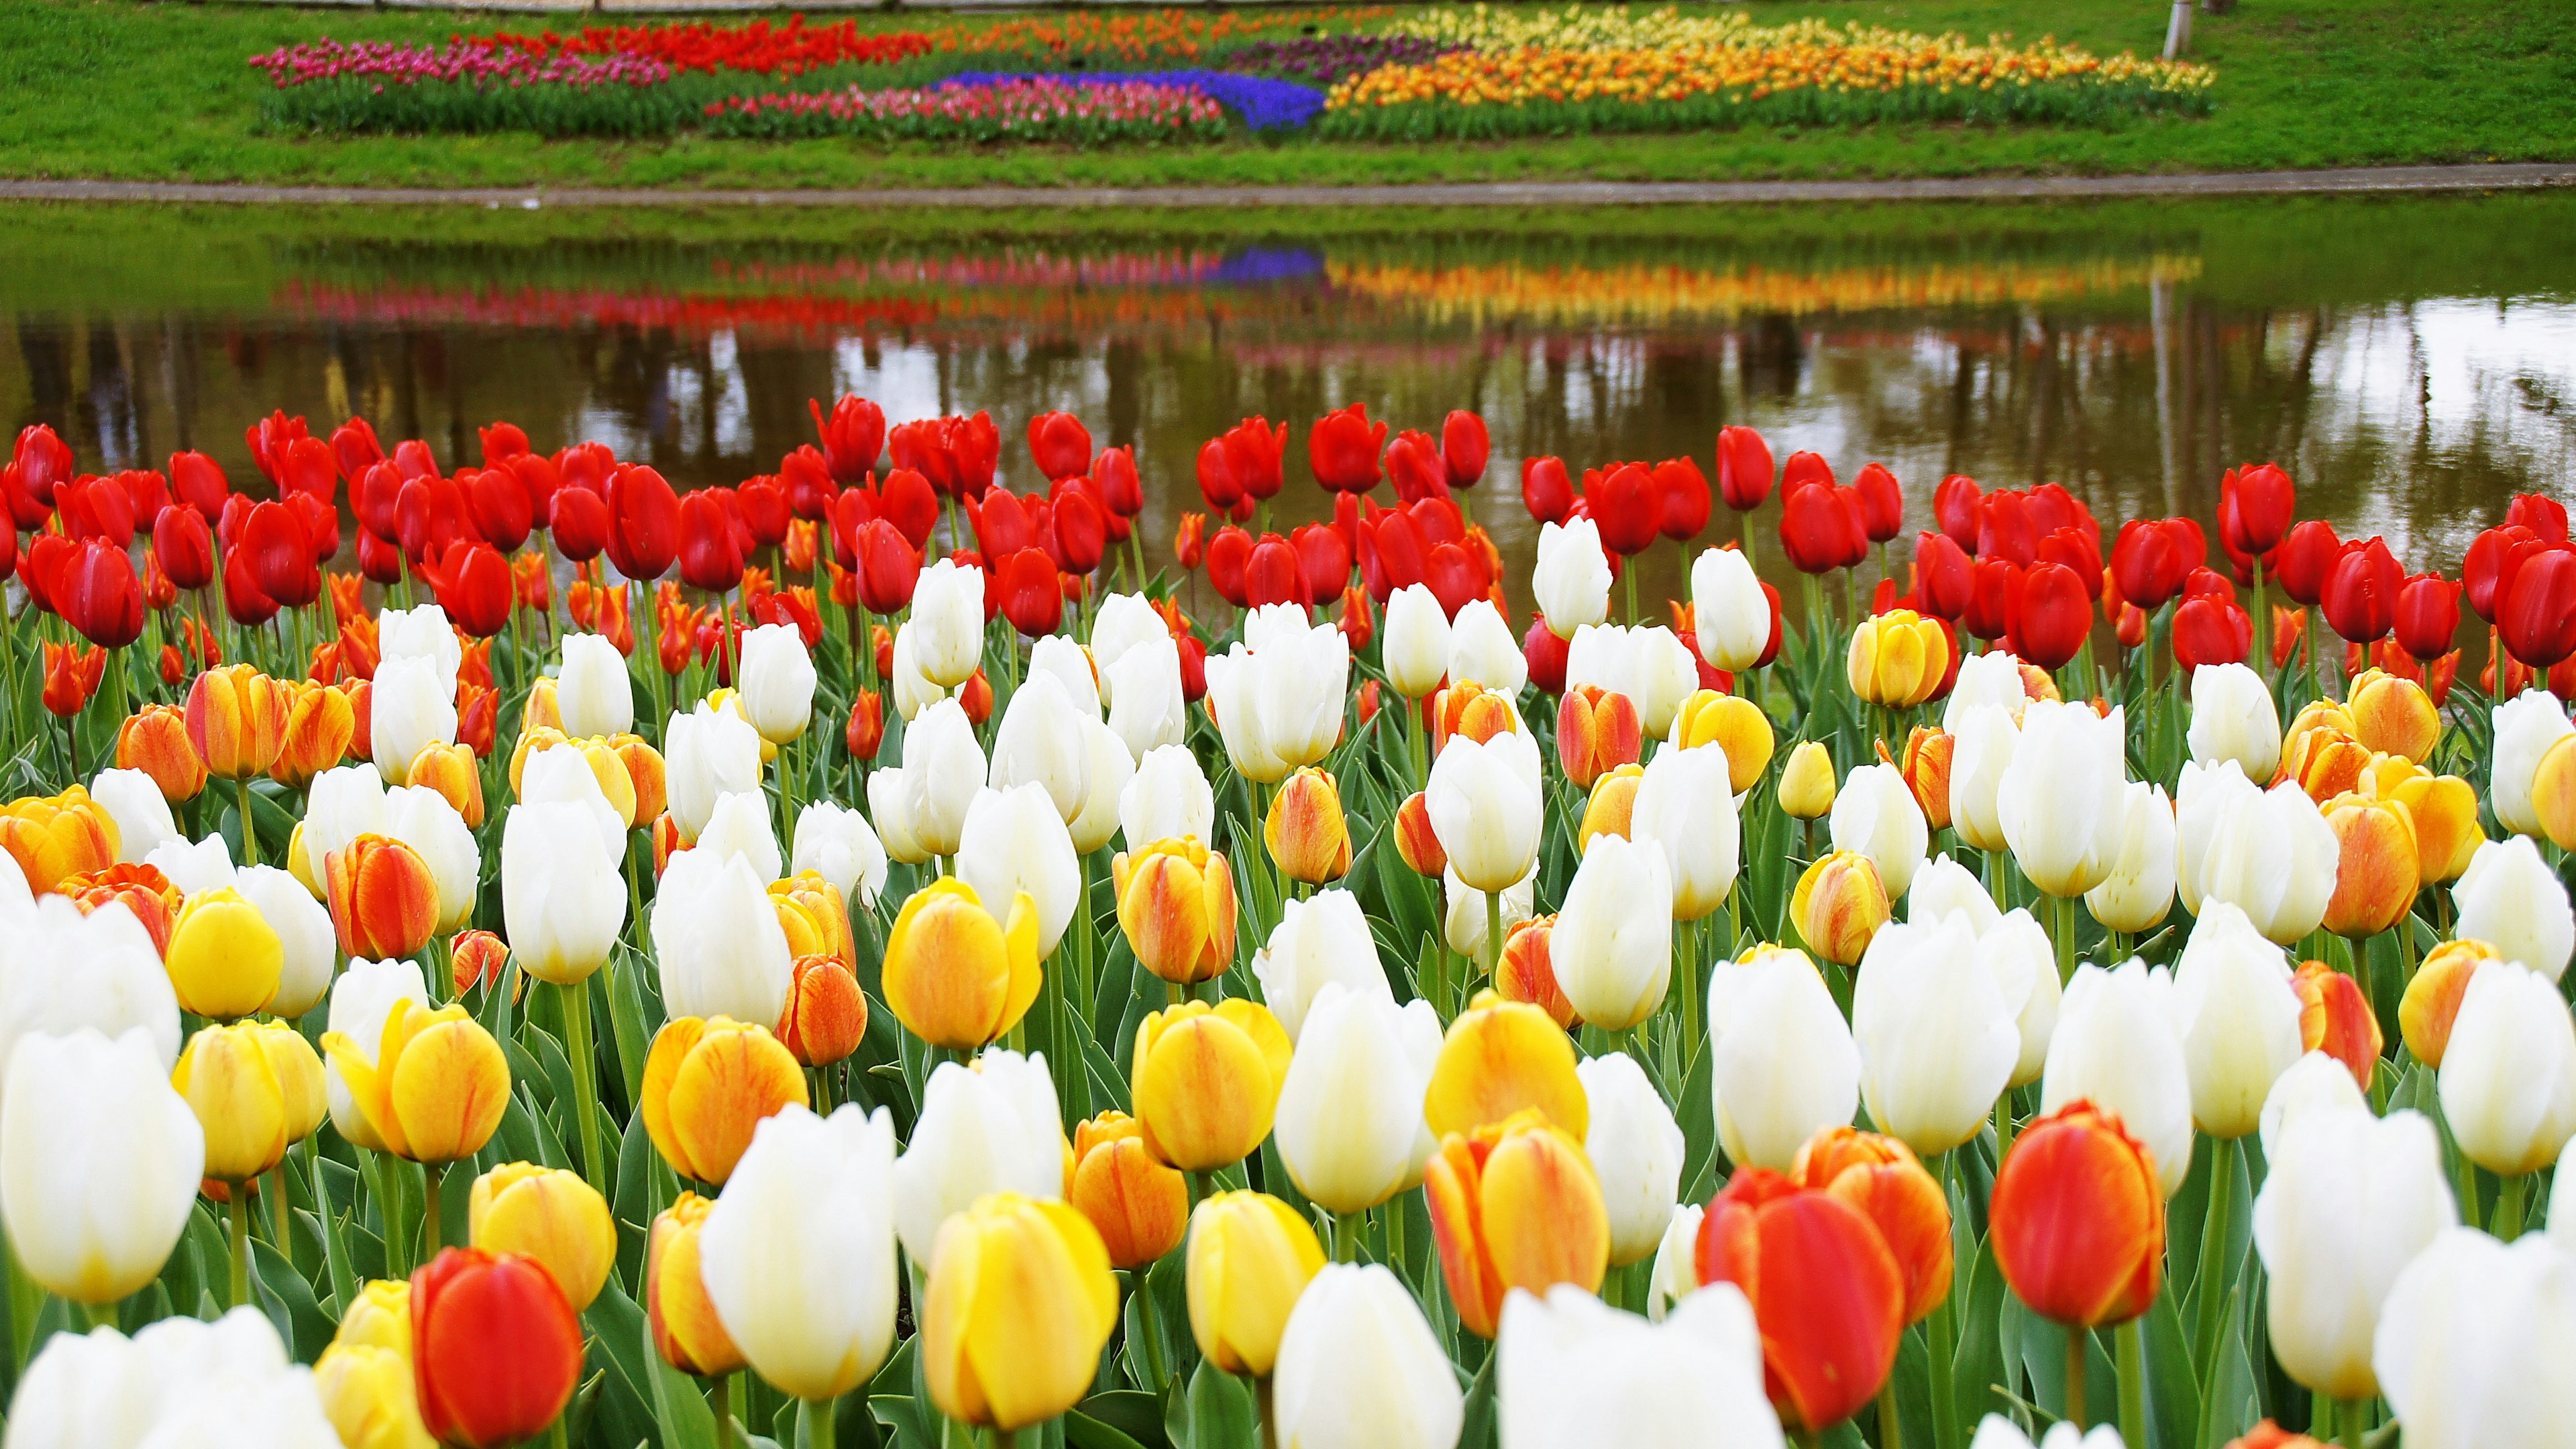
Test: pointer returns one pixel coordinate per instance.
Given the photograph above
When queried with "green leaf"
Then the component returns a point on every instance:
(2233, 1402)
(2173, 1394)
(1978, 1369)
(683, 1417)
(1221, 1414)
(1134, 1414)
(1085, 1432)
(288, 1300)
(1480, 1429)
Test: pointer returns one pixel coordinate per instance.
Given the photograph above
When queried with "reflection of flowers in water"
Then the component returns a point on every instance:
(1513, 291)
(1264, 266)
(1173, 268)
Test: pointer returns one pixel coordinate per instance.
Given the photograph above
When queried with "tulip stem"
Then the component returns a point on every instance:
(1493, 936)
(2065, 912)
(2208, 1284)
(1150, 1326)
(1891, 1432)
(2131, 1341)
(249, 834)
(430, 1236)
(2354, 1416)
(2506, 1225)
(285, 1210)
(99, 1315)
(815, 1417)
(2076, 1337)
(585, 1084)
(239, 1212)
(724, 1411)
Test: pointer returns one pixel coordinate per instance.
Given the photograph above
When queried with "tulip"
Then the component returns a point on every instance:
(1040, 742)
(1305, 832)
(1357, 1365)
(1482, 650)
(2508, 1075)
(552, 1217)
(1206, 1081)
(1839, 904)
(2078, 1221)
(2469, 1335)
(138, 814)
(2269, 853)
(986, 1128)
(1882, 1179)
(1937, 1041)
(237, 720)
(593, 693)
(1731, 616)
(2238, 1019)
(367, 1390)
(1415, 642)
(1485, 808)
(424, 821)
(496, 1348)
(225, 960)
(1596, 732)
(1500, 1058)
(1612, 946)
(1611, 809)
(2060, 800)
(1683, 806)
(1168, 799)
(1014, 847)
(361, 1000)
(838, 844)
(1139, 1207)
(1572, 580)
(777, 682)
(154, 740)
(1016, 1313)
(1736, 726)
(304, 935)
(2525, 727)
(1807, 781)
(1349, 1123)
(100, 1158)
(2320, 753)
(956, 977)
(2432, 1001)
(1576, 1372)
(2512, 900)
(55, 837)
(2394, 716)
(2118, 1049)
(1875, 816)
(709, 753)
(2139, 892)
(1651, 666)
(2335, 1018)
(1826, 1292)
(436, 1087)
(256, 1089)
(2376, 877)
(708, 1084)
(1280, 705)
(562, 897)
(1250, 1258)
(1897, 660)
(1784, 1066)
(1514, 1204)
(410, 705)
(384, 900)
(2232, 718)
(717, 941)
(1636, 1151)
(1322, 940)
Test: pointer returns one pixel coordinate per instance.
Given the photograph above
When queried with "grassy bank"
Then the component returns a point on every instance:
(117, 89)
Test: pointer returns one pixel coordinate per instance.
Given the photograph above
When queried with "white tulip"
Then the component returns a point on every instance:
(421, 633)
(593, 694)
(1946, 888)
(1875, 814)
(1123, 622)
(1998, 1432)
(1279, 705)
(1358, 1368)
(1484, 810)
(1146, 708)
(1612, 947)
(2238, 1017)
(339, 806)
(204, 866)
(2525, 727)
(178, 1384)
(2511, 899)
(839, 845)
(892, 803)
(2139, 892)
(1993, 677)
(62, 971)
(1937, 1040)
(421, 818)
(2024, 963)
(2267, 852)
(1730, 615)
(1169, 799)
(1013, 841)
(2059, 801)
(1685, 807)
(2348, 1201)
(1320, 941)
(2116, 1044)
(709, 753)
(717, 941)
(1349, 1122)
(411, 704)
(943, 771)
(913, 691)
(1070, 665)
(100, 1160)
(798, 1253)
(1276, 626)
(142, 817)
(1109, 771)
(560, 775)
(563, 900)
(1462, 921)
(739, 828)
(1785, 1065)
(1413, 641)
(1040, 742)
(947, 623)
(1483, 651)
(1981, 750)
(2473, 1343)
(2508, 1076)
(983, 1129)
(1574, 1373)
(1675, 1275)
(777, 678)
(1636, 1150)
(2315, 1083)
(2233, 718)
(361, 999)
(303, 928)
(1571, 583)
(1651, 666)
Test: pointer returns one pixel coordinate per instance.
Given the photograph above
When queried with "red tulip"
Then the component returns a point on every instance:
(888, 568)
(268, 439)
(2545, 516)
(280, 555)
(580, 524)
(2053, 617)
(1622, 503)
(1744, 472)
(496, 1351)
(1322, 558)
(1025, 582)
(1959, 505)
(1113, 476)
(1828, 1298)
(1464, 448)
(2148, 562)
(1060, 446)
(1413, 465)
(1546, 491)
(43, 460)
(1228, 554)
(498, 504)
(1804, 468)
(1821, 529)
(380, 559)
(2005, 529)
(2538, 619)
(2307, 554)
(1002, 523)
(95, 591)
(1681, 499)
(354, 449)
(1942, 572)
(710, 555)
(2267, 502)
(1254, 450)
(415, 459)
(2075, 548)
(474, 587)
(96, 508)
(1272, 574)
(199, 482)
(643, 522)
(1771, 650)
(243, 600)
(185, 546)
(1218, 483)
(1456, 575)
(1545, 654)
(2078, 1224)
(2360, 596)
(1882, 502)
(764, 510)
(2428, 616)
(1392, 552)
(1078, 529)
(502, 441)
(2211, 631)
(2206, 583)
(851, 437)
(1343, 450)
(541, 481)
(1994, 598)
(2487, 572)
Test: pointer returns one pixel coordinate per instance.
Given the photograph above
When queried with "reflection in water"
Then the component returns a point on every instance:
(2409, 379)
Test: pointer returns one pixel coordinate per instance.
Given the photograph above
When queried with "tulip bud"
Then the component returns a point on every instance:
(1731, 616)
(1937, 1041)
(2349, 1200)
(436, 1089)
(1279, 699)
(1016, 1313)
(549, 1215)
(708, 1084)
(2376, 871)
(2335, 1018)
(2525, 728)
(1514, 1204)
(318, 727)
(384, 900)
(1359, 1368)
(1737, 726)
(1176, 905)
(154, 739)
(1349, 1118)
(1484, 807)
(1499, 1058)
(1527, 972)
(1206, 1081)
(1572, 580)
(1611, 810)
(1875, 817)
(236, 720)
(986, 1127)
(1897, 659)
(798, 1254)
(2267, 852)
(686, 1331)
(2444, 809)
(1784, 1066)
(451, 771)
(496, 1350)
(1807, 781)
(2118, 1048)
(2322, 752)
(1611, 948)
(954, 976)
(256, 1088)
(1883, 1179)
(100, 1159)
(1322, 940)
(410, 703)
(1250, 1256)
(1415, 642)
(562, 897)
(1483, 651)
(1596, 732)
(2394, 716)
(2233, 718)
(827, 1013)
(1140, 1207)
(2060, 800)
(2508, 1074)
(947, 622)
(225, 960)
(2511, 899)
(2078, 1221)
(2238, 1018)
(1304, 831)
(2432, 1000)
(2139, 892)
(1826, 1291)
(1636, 1150)
(1839, 905)
(1415, 840)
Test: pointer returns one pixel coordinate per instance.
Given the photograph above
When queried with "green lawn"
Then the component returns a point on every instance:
(118, 89)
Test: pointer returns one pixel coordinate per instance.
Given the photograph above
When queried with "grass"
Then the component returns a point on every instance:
(122, 90)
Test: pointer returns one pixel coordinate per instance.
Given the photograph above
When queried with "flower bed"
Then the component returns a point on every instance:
(1323, 59)
(329, 86)
(1002, 108)
(759, 47)
(1262, 104)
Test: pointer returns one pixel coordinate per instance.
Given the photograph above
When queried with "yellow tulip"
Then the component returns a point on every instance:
(1176, 905)
(226, 1077)
(1499, 1058)
(1807, 781)
(1019, 1306)
(953, 976)
(437, 1088)
(224, 959)
(1206, 1081)
(1308, 839)
(367, 1394)
(551, 1215)
(54, 836)
(1838, 905)
(707, 1085)
(1613, 806)
(380, 1318)
(1737, 726)
(2432, 1000)
(2393, 715)
(452, 771)
(816, 921)
(1897, 659)
(686, 1331)
(2447, 833)
(1250, 1256)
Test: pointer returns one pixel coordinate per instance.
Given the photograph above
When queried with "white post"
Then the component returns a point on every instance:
(2178, 30)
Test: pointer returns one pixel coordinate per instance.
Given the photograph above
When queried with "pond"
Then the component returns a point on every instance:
(2412, 361)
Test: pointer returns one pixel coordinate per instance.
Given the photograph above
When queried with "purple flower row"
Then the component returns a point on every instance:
(478, 65)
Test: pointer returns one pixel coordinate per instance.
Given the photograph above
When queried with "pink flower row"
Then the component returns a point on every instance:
(477, 64)
(1009, 103)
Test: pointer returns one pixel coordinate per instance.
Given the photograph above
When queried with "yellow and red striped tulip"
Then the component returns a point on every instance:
(1514, 1204)
(384, 900)
(1882, 1178)
(707, 1085)
(827, 1013)
(2376, 872)
(2335, 1018)
(1596, 732)
(319, 725)
(154, 739)
(1140, 1206)
(1176, 904)
(237, 720)
(686, 1331)
(2078, 1219)
(1206, 1081)
(1307, 837)
(1838, 906)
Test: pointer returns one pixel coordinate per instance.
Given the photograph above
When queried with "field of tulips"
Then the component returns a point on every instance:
(860, 956)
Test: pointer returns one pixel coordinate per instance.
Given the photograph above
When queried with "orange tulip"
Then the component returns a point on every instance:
(1415, 840)
(1176, 904)
(2335, 1018)
(362, 711)
(707, 1085)
(1140, 1206)
(1596, 732)
(1471, 710)
(2432, 999)
(316, 735)
(72, 675)
(645, 773)
(384, 901)
(1926, 767)
(55, 836)
(451, 771)
(1526, 973)
(2078, 1220)
(1514, 1204)
(2376, 875)
(1828, 1296)
(826, 1012)
(143, 889)
(1885, 1180)
(2322, 753)
(237, 720)
(2268, 1435)
(2444, 809)
(1307, 837)
(686, 1331)
(154, 739)
(1839, 905)
(477, 958)
(2393, 715)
